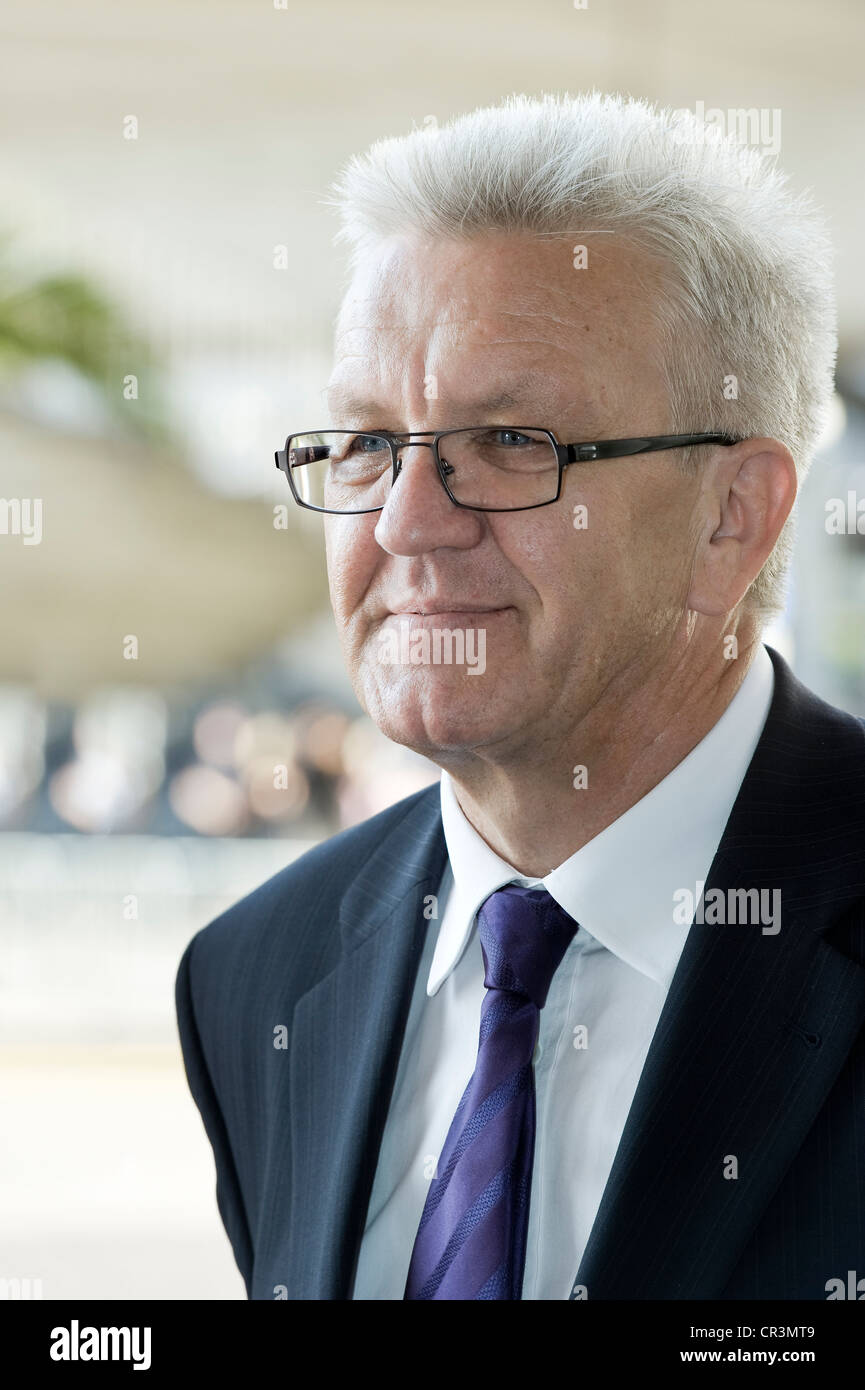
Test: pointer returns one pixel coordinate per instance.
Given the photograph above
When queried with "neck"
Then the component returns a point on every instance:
(531, 808)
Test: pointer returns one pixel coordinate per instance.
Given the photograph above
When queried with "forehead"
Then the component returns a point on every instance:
(511, 313)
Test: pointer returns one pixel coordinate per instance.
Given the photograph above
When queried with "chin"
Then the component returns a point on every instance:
(439, 720)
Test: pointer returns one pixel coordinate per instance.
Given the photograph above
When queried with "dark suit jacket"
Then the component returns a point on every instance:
(759, 1052)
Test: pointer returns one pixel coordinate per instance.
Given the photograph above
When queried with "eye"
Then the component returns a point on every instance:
(354, 446)
(512, 437)
(366, 444)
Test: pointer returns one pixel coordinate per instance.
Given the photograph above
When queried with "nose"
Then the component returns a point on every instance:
(418, 515)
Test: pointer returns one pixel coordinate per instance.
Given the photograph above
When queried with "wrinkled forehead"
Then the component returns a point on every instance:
(499, 304)
(406, 283)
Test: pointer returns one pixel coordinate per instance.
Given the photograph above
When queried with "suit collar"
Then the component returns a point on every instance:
(799, 819)
(345, 1044)
(413, 852)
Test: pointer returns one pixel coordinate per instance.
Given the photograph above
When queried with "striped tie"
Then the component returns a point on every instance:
(471, 1242)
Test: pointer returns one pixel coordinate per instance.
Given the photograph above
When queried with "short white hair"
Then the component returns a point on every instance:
(748, 291)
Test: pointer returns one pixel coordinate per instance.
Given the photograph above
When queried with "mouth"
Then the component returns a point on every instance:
(431, 607)
(455, 614)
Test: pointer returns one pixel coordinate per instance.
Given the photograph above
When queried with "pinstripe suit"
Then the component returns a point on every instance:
(759, 1053)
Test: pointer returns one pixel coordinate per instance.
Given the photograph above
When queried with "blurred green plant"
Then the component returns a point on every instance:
(66, 317)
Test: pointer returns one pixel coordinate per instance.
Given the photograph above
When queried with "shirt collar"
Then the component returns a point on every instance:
(620, 885)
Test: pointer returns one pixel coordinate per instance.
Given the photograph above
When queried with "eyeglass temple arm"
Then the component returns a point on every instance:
(620, 448)
(312, 453)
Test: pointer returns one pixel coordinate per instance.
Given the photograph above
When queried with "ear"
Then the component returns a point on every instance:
(748, 494)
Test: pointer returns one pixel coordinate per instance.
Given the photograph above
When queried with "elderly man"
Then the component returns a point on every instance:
(587, 1020)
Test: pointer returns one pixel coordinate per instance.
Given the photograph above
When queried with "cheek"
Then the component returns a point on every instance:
(351, 563)
(667, 539)
(571, 560)
(635, 541)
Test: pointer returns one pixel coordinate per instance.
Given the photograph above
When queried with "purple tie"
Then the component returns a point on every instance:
(471, 1242)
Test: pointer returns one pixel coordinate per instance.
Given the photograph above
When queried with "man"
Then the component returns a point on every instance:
(587, 1022)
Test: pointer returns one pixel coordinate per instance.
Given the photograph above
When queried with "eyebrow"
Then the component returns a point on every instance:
(341, 398)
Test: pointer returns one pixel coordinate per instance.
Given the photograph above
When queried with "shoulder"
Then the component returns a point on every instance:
(300, 904)
(802, 716)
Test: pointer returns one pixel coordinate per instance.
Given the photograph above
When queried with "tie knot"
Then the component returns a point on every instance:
(524, 935)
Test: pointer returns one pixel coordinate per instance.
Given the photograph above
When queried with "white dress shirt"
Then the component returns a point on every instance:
(613, 981)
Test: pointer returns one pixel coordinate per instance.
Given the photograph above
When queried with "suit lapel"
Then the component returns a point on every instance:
(755, 1028)
(346, 1040)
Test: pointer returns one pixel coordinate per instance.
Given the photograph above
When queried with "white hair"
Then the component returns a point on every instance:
(748, 291)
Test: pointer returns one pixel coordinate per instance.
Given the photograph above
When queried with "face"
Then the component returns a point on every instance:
(504, 330)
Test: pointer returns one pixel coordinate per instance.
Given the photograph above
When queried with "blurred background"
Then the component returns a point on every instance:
(175, 723)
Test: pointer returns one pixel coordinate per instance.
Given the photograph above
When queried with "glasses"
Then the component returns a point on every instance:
(488, 468)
